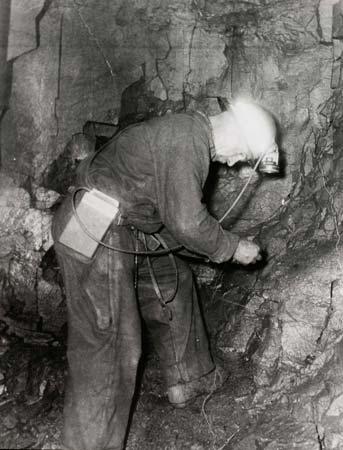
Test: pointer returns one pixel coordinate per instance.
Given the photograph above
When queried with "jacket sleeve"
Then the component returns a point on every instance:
(181, 172)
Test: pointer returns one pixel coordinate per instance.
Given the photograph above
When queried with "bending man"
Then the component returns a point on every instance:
(156, 170)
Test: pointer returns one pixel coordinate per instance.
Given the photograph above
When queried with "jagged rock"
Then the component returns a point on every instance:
(10, 421)
(249, 442)
(326, 10)
(336, 78)
(11, 195)
(276, 246)
(238, 334)
(314, 407)
(5, 79)
(45, 198)
(337, 22)
(22, 37)
(191, 54)
(25, 231)
(32, 224)
(305, 325)
(209, 47)
(51, 306)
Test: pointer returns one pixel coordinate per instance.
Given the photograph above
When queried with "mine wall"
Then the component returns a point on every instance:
(71, 67)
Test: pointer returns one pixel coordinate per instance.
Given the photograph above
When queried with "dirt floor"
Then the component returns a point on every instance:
(31, 394)
(31, 403)
(32, 378)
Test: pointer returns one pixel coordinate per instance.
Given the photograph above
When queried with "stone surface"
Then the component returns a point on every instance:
(25, 233)
(51, 306)
(238, 335)
(29, 127)
(23, 36)
(305, 330)
(326, 9)
(188, 51)
(116, 62)
(5, 72)
(337, 20)
(45, 198)
(11, 195)
(10, 421)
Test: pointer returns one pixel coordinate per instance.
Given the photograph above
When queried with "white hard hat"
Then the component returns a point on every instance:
(256, 126)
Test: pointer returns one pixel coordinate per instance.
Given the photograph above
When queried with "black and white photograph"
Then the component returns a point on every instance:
(171, 219)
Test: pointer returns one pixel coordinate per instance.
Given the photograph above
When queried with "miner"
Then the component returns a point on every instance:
(120, 236)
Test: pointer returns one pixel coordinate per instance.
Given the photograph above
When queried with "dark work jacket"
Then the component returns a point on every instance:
(157, 170)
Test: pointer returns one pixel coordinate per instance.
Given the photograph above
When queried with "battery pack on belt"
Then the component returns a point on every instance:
(96, 211)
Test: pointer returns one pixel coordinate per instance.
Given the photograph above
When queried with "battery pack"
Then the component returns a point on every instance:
(96, 211)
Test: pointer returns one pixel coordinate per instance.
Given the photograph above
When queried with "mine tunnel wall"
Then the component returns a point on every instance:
(110, 61)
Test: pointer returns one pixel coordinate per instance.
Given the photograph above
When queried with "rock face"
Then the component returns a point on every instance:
(299, 356)
(117, 62)
(304, 317)
(25, 237)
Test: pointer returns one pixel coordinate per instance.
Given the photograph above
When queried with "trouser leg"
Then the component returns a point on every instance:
(103, 348)
(177, 332)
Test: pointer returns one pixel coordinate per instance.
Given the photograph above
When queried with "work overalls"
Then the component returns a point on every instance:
(104, 332)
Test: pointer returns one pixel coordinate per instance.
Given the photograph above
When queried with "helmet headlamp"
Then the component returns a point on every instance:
(270, 161)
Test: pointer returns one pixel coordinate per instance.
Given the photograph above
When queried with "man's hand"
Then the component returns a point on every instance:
(247, 252)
